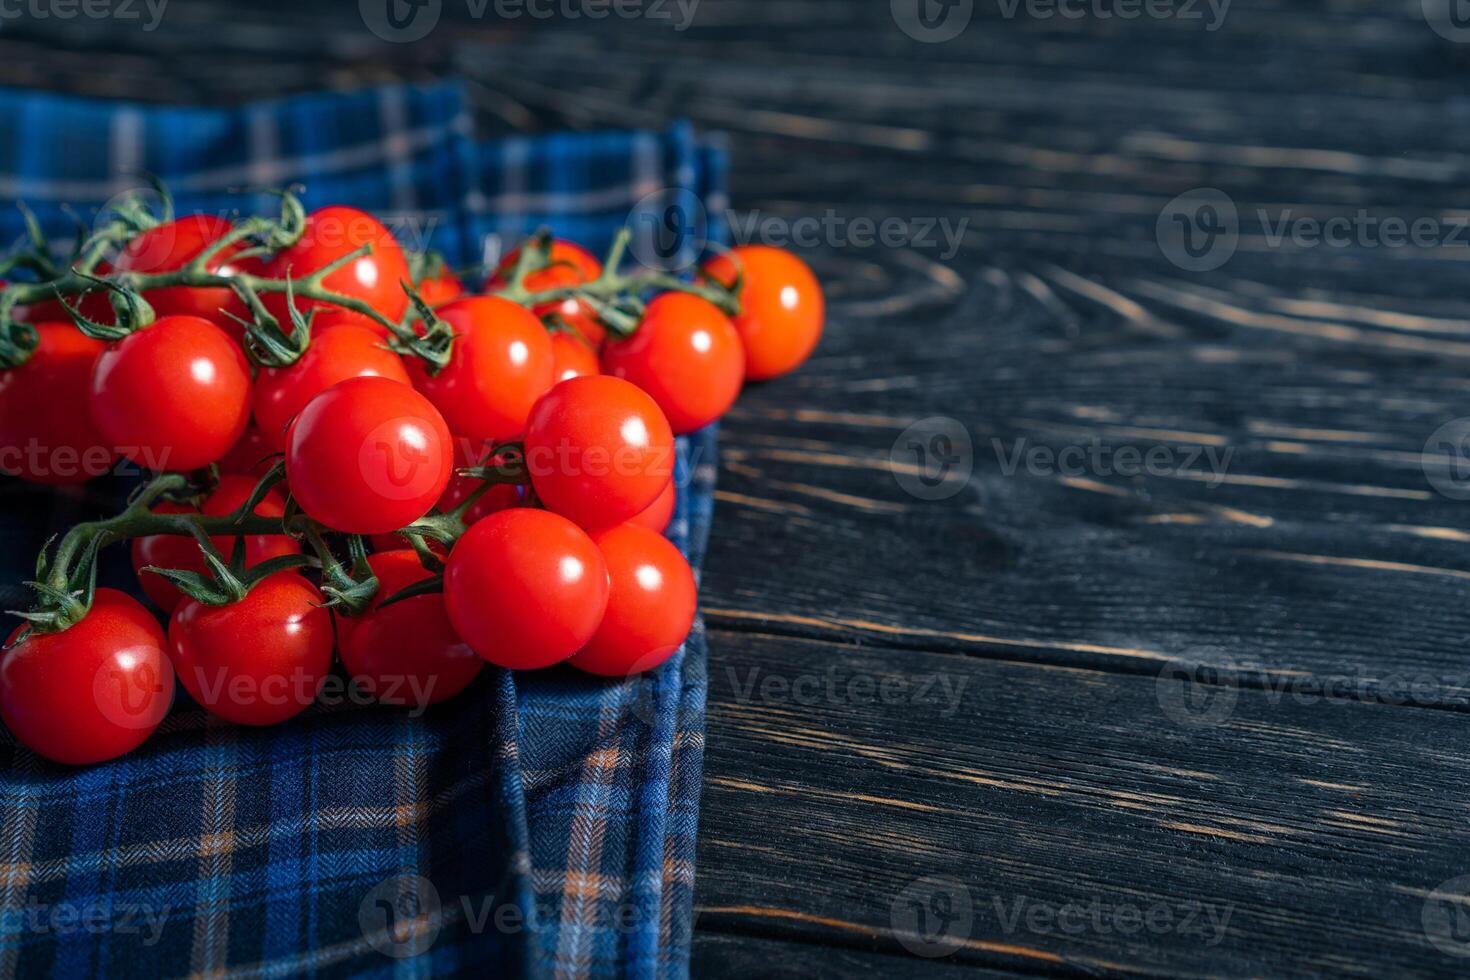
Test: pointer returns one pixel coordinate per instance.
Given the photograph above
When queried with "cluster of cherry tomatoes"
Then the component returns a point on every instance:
(544, 444)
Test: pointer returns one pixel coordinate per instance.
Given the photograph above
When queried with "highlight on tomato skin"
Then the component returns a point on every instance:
(687, 355)
(525, 588)
(93, 692)
(650, 606)
(782, 312)
(368, 456)
(173, 396)
(501, 363)
(599, 450)
(331, 233)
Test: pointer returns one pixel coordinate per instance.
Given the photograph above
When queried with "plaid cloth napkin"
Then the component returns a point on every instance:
(541, 824)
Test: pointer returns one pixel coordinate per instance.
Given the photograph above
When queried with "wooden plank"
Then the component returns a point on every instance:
(719, 954)
(1284, 839)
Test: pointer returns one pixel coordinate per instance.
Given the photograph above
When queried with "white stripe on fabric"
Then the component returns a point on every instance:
(125, 151)
(264, 148)
(393, 119)
(271, 172)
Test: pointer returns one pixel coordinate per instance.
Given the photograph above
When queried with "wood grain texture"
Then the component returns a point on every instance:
(1289, 543)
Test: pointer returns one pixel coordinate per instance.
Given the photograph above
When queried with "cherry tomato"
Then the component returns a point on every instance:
(258, 661)
(174, 395)
(783, 309)
(599, 450)
(46, 433)
(572, 265)
(182, 552)
(165, 551)
(335, 354)
(249, 457)
(368, 456)
(90, 693)
(502, 362)
(331, 233)
(440, 289)
(571, 357)
(406, 654)
(173, 245)
(499, 497)
(650, 605)
(525, 588)
(94, 305)
(687, 355)
(656, 516)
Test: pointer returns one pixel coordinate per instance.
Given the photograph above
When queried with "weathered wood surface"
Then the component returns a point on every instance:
(1310, 552)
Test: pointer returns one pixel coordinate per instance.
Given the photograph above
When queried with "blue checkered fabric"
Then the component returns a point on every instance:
(539, 824)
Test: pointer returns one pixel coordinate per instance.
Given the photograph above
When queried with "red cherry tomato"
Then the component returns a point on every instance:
(502, 362)
(94, 305)
(165, 551)
(687, 355)
(500, 497)
(331, 233)
(173, 396)
(571, 357)
(46, 432)
(249, 457)
(368, 456)
(572, 265)
(525, 588)
(650, 605)
(440, 289)
(406, 654)
(176, 551)
(656, 516)
(258, 661)
(599, 450)
(168, 248)
(90, 693)
(336, 354)
(783, 309)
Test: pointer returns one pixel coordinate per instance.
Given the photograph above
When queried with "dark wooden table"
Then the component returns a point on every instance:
(1173, 679)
